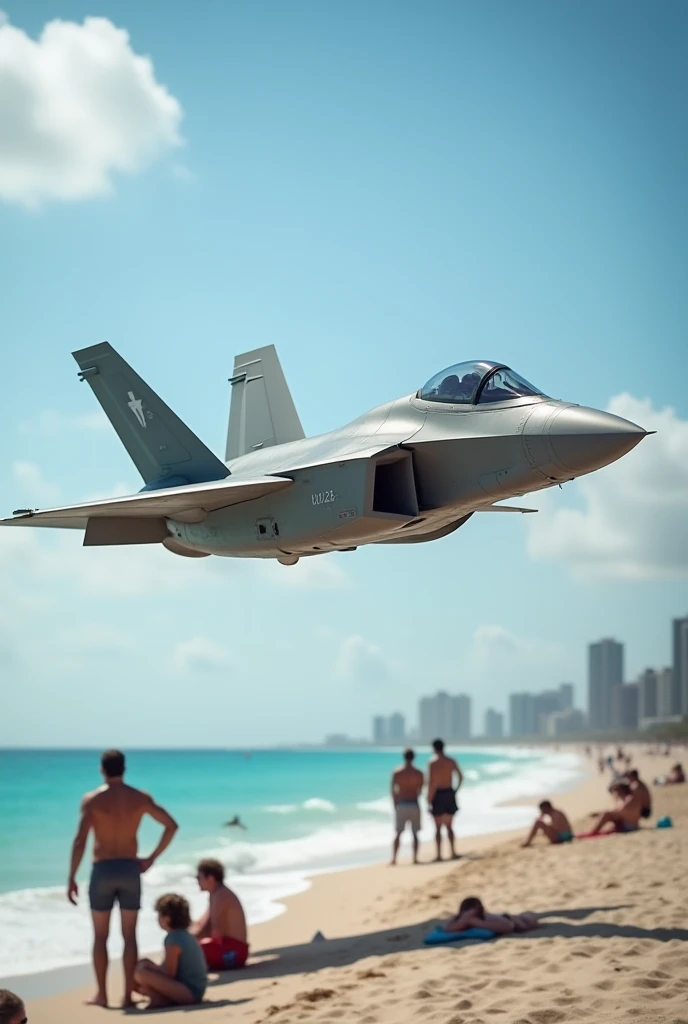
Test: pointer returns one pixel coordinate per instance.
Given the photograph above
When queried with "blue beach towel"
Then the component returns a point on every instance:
(438, 936)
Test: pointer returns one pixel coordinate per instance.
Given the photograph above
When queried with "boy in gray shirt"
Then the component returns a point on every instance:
(183, 976)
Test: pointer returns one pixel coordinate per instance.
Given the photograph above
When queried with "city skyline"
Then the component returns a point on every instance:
(656, 696)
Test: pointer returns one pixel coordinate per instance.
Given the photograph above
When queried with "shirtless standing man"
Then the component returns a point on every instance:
(442, 794)
(407, 785)
(222, 929)
(114, 812)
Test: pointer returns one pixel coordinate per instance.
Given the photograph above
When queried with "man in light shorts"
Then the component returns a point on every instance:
(407, 785)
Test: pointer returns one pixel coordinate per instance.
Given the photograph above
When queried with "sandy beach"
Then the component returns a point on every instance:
(612, 946)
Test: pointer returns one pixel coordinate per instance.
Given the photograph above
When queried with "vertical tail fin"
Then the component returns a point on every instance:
(262, 412)
(160, 445)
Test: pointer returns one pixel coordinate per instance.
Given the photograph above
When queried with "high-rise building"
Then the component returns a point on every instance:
(605, 673)
(679, 690)
(435, 717)
(459, 725)
(566, 696)
(625, 707)
(494, 724)
(665, 686)
(522, 721)
(569, 722)
(396, 728)
(647, 694)
(545, 704)
(379, 729)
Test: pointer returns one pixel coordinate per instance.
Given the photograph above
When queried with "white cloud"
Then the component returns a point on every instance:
(359, 660)
(49, 422)
(77, 105)
(631, 523)
(201, 654)
(32, 482)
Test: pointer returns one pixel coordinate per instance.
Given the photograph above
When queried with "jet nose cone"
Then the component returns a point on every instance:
(586, 439)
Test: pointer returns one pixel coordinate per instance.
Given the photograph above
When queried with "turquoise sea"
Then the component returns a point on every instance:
(305, 810)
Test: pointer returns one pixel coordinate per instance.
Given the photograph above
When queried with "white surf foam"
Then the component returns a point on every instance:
(40, 929)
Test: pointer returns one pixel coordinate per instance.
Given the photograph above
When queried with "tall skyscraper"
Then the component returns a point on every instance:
(494, 724)
(625, 707)
(459, 726)
(522, 720)
(546, 703)
(647, 694)
(396, 728)
(605, 673)
(679, 690)
(434, 717)
(379, 729)
(665, 687)
(566, 696)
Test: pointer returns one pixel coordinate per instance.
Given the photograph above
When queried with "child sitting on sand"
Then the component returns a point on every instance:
(182, 978)
(472, 914)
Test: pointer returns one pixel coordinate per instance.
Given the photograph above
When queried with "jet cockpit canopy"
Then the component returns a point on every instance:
(476, 383)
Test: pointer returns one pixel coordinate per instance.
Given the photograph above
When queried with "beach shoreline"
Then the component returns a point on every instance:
(374, 919)
(265, 874)
(288, 924)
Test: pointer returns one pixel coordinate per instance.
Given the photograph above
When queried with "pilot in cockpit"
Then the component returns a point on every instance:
(450, 386)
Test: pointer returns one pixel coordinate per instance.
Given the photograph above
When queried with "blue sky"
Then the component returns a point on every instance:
(380, 190)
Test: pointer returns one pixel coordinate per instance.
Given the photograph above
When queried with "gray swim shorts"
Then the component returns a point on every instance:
(115, 881)
(408, 813)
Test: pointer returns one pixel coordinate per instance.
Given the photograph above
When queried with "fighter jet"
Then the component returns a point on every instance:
(412, 470)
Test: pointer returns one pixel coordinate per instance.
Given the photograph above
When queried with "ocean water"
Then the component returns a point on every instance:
(306, 811)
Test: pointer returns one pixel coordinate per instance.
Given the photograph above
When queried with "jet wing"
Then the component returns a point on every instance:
(189, 502)
(504, 508)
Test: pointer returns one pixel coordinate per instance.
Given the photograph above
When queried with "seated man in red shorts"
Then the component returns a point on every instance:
(222, 929)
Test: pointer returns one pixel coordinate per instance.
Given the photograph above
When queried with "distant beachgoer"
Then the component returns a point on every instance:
(553, 823)
(472, 914)
(442, 794)
(182, 978)
(114, 812)
(407, 785)
(626, 816)
(642, 793)
(675, 777)
(12, 1009)
(235, 822)
(222, 930)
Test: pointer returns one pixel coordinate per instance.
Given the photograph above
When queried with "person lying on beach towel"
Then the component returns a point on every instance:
(553, 823)
(472, 914)
(626, 816)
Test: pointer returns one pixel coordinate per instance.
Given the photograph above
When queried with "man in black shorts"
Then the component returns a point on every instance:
(114, 812)
(442, 795)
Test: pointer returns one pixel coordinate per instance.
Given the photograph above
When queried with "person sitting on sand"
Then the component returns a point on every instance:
(222, 930)
(675, 776)
(553, 823)
(12, 1009)
(182, 978)
(641, 791)
(472, 914)
(626, 816)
